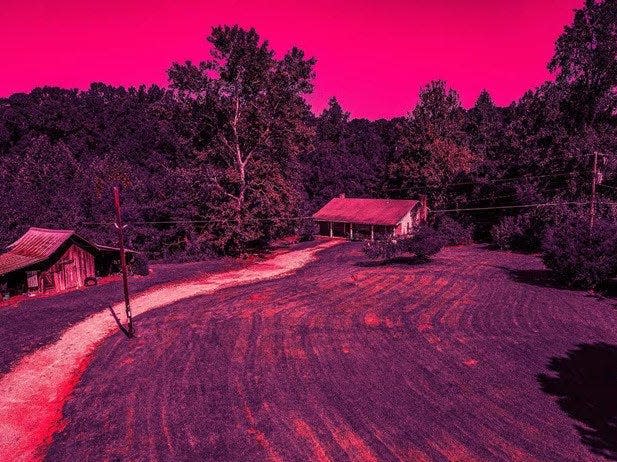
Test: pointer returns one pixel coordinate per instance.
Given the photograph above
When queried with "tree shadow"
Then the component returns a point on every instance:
(536, 277)
(405, 260)
(585, 385)
(119, 323)
(546, 278)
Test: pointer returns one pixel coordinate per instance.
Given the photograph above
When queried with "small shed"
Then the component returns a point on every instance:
(365, 218)
(44, 260)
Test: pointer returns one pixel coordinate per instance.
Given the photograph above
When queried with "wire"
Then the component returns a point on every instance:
(466, 209)
(503, 207)
(181, 222)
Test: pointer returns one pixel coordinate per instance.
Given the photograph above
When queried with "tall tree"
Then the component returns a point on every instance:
(585, 64)
(252, 126)
(432, 151)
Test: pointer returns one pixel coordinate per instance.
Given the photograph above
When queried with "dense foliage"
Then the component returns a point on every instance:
(425, 242)
(230, 156)
(580, 257)
(454, 232)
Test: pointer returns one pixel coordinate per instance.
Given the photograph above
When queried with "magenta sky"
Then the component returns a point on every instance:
(372, 55)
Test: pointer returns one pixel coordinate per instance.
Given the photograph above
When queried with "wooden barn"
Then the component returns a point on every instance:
(45, 260)
(366, 218)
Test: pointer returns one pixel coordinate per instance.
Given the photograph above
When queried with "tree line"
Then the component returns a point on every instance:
(230, 156)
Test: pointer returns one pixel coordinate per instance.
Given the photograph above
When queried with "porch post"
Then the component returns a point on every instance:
(372, 233)
(351, 231)
(330, 228)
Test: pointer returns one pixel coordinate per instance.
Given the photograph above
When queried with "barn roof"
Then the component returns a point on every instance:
(36, 246)
(387, 212)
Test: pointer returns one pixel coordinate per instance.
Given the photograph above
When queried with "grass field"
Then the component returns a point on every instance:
(474, 356)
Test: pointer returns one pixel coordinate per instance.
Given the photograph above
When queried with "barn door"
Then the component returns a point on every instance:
(69, 273)
(71, 276)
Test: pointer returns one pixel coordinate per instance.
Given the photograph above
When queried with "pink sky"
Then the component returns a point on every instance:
(372, 55)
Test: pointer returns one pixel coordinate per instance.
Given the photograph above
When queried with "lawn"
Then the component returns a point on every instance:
(474, 356)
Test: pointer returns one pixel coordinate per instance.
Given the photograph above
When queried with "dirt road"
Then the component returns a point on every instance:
(39, 321)
(34, 392)
(472, 357)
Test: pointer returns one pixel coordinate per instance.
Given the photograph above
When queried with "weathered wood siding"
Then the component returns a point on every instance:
(69, 271)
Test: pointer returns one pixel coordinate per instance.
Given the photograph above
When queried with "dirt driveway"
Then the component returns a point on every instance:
(34, 392)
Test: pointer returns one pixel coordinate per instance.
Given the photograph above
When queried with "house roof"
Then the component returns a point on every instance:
(36, 246)
(388, 212)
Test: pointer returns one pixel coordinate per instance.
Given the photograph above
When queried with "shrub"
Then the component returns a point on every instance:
(139, 264)
(425, 242)
(307, 229)
(580, 257)
(509, 232)
(454, 232)
(381, 247)
(521, 232)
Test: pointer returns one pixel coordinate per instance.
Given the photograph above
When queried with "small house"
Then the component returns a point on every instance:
(44, 260)
(366, 218)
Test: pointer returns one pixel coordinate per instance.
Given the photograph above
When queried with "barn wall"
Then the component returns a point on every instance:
(70, 270)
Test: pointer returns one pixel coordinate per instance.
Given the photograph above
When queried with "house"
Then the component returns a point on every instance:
(45, 260)
(367, 218)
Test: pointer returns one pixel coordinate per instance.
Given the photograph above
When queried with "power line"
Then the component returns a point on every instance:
(182, 222)
(465, 209)
(503, 207)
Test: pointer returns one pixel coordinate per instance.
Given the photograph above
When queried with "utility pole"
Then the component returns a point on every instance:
(130, 331)
(592, 211)
(596, 180)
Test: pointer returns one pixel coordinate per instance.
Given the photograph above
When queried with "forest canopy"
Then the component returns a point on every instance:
(230, 156)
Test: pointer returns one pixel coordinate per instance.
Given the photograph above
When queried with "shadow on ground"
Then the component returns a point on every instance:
(411, 260)
(546, 278)
(536, 277)
(585, 385)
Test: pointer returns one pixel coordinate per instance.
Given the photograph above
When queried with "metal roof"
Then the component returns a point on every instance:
(36, 246)
(388, 212)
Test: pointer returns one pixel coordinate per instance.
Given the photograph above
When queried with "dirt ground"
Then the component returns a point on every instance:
(39, 321)
(472, 357)
(34, 391)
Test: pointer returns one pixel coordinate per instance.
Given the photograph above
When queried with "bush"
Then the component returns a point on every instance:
(507, 232)
(454, 232)
(578, 257)
(307, 229)
(424, 243)
(381, 247)
(522, 232)
(139, 264)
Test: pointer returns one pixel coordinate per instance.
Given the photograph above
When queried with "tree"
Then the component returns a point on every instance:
(252, 126)
(433, 150)
(349, 157)
(585, 60)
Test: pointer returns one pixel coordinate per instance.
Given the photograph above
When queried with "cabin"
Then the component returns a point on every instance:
(52, 260)
(355, 218)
